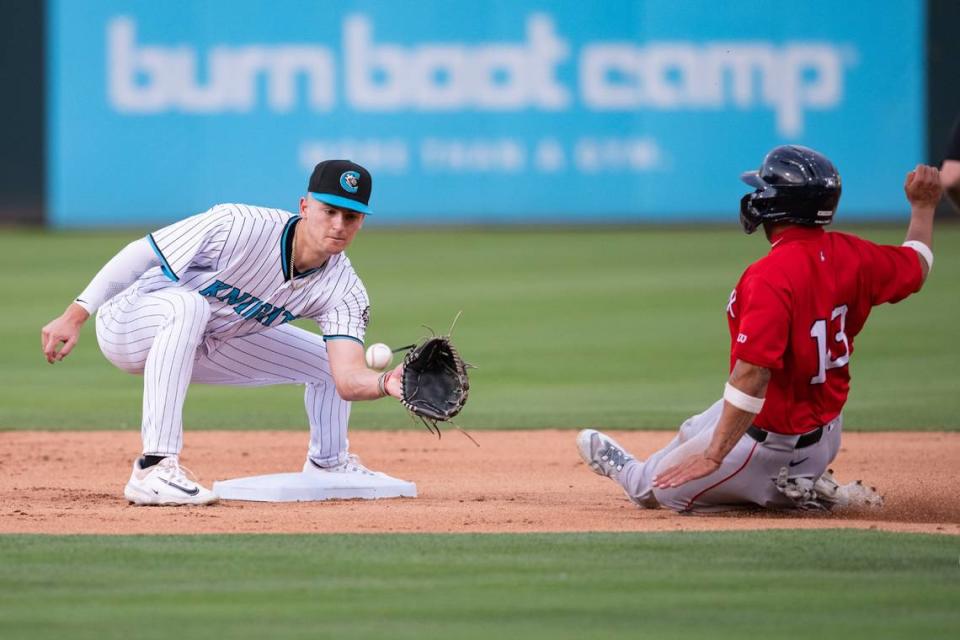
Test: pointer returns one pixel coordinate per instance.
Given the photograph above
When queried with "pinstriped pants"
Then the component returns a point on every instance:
(162, 336)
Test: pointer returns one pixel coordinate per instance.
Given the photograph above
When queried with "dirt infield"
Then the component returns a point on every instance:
(516, 481)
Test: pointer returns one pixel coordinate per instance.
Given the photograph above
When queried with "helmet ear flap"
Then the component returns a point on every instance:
(750, 218)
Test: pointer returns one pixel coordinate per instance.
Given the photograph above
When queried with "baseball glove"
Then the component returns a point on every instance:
(435, 385)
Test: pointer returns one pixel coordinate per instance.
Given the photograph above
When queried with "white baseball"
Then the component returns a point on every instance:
(379, 356)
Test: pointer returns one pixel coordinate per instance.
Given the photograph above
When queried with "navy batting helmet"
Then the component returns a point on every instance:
(794, 184)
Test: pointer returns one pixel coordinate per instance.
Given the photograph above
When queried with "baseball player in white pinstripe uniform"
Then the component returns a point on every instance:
(208, 299)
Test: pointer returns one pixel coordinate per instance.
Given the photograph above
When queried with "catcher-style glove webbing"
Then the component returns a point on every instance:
(434, 385)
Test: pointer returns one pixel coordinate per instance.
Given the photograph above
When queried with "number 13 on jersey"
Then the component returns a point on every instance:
(838, 320)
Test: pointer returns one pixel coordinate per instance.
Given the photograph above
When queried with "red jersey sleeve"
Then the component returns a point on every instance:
(892, 273)
(764, 328)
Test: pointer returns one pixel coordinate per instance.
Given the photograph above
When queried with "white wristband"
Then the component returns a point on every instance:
(923, 250)
(741, 400)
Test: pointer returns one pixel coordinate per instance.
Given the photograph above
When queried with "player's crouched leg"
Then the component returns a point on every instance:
(729, 487)
(188, 311)
(127, 326)
(697, 497)
(678, 499)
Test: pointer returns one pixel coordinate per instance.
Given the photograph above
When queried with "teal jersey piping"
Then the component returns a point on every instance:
(286, 245)
(164, 265)
(340, 337)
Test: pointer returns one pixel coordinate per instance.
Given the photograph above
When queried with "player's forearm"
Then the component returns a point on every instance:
(353, 379)
(751, 381)
(119, 273)
(924, 189)
(733, 424)
(921, 225)
(360, 384)
(75, 314)
(921, 230)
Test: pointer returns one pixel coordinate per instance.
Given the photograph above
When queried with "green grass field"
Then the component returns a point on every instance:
(692, 585)
(620, 327)
(617, 327)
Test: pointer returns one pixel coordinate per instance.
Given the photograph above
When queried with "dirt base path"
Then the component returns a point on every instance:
(517, 481)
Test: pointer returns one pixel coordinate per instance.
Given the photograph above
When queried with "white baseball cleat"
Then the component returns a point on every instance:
(350, 479)
(602, 453)
(165, 483)
(826, 494)
(850, 495)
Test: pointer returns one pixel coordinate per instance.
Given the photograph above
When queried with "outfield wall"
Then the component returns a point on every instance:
(633, 110)
(22, 189)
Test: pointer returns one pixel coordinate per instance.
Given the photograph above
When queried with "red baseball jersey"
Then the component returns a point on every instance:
(797, 310)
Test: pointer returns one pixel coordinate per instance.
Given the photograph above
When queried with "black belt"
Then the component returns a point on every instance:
(805, 440)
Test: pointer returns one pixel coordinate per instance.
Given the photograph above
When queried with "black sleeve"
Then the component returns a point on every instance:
(953, 145)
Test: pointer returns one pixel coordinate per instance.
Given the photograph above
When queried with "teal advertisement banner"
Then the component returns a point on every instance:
(473, 112)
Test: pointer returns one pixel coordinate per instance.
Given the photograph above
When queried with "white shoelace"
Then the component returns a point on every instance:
(351, 465)
(171, 469)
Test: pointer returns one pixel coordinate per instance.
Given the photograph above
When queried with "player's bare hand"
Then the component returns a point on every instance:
(690, 468)
(64, 331)
(394, 382)
(923, 187)
(56, 333)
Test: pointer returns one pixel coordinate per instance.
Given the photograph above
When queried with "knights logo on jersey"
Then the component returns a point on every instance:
(365, 317)
(350, 181)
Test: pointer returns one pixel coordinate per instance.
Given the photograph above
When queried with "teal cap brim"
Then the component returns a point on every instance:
(343, 203)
